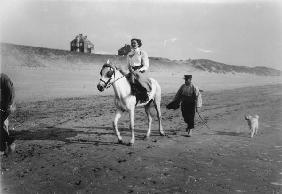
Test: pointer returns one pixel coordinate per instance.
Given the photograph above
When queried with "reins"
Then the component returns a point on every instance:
(108, 84)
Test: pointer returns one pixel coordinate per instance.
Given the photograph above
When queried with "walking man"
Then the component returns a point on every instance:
(190, 98)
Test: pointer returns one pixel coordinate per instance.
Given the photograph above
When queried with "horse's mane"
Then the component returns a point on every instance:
(122, 71)
(108, 65)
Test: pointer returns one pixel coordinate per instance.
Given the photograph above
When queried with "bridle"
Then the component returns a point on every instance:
(108, 83)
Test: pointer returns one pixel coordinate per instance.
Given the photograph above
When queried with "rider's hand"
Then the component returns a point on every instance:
(11, 108)
(142, 70)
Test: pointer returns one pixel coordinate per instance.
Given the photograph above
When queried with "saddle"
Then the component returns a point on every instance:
(137, 89)
(139, 92)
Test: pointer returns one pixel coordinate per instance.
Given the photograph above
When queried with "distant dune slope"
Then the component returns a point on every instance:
(43, 73)
(212, 66)
(17, 55)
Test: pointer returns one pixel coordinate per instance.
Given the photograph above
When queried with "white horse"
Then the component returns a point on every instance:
(126, 101)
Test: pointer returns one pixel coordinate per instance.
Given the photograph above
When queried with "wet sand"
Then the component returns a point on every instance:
(67, 145)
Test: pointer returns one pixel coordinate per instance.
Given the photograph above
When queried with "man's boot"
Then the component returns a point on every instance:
(189, 131)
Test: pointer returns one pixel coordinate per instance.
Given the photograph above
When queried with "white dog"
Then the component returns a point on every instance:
(253, 124)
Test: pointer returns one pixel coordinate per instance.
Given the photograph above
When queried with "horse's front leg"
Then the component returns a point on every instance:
(131, 115)
(117, 117)
(148, 112)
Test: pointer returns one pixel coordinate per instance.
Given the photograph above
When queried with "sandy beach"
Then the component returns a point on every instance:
(67, 145)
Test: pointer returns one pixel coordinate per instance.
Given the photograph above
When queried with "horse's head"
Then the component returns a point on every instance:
(107, 76)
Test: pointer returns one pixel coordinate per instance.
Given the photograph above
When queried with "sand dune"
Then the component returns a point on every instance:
(41, 73)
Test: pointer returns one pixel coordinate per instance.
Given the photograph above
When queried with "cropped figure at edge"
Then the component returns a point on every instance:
(7, 144)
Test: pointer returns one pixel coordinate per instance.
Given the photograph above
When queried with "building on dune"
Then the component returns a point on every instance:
(81, 44)
(124, 50)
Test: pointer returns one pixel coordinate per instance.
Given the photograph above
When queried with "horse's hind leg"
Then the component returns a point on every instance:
(131, 115)
(148, 112)
(157, 103)
(158, 108)
(117, 117)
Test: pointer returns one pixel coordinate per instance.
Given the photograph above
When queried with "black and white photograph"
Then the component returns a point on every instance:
(141, 96)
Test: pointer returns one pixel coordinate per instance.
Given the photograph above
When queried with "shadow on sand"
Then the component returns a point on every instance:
(230, 133)
(139, 133)
(68, 135)
(61, 134)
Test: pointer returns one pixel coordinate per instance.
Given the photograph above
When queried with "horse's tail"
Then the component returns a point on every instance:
(156, 90)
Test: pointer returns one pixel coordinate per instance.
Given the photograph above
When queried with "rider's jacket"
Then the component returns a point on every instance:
(138, 59)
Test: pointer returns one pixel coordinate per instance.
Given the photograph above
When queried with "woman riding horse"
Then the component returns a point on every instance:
(126, 101)
(138, 64)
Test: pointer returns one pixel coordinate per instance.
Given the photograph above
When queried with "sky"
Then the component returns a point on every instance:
(235, 32)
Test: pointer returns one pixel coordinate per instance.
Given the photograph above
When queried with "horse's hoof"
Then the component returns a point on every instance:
(130, 144)
(146, 137)
(120, 141)
(162, 134)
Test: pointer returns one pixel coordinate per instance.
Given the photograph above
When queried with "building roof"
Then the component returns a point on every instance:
(84, 39)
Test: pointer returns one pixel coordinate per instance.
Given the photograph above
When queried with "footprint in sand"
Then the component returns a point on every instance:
(266, 125)
(240, 191)
(277, 183)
